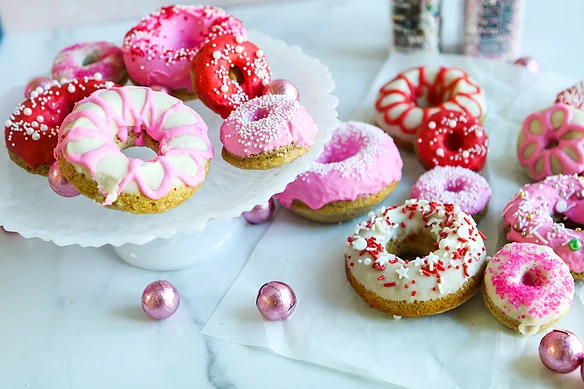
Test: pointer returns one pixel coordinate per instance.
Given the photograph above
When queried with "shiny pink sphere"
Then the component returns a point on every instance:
(160, 300)
(561, 351)
(276, 301)
(260, 213)
(59, 183)
(529, 63)
(159, 88)
(282, 87)
(38, 82)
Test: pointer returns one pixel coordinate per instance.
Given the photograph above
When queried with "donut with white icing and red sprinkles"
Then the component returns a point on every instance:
(229, 71)
(528, 287)
(445, 269)
(573, 96)
(451, 138)
(31, 130)
(455, 185)
(160, 48)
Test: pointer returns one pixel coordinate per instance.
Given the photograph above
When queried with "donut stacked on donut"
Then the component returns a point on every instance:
(93, 136)
(407, 101)
(86, 59)
(31, 130)
(573, 96)
(449, 251)
(267, 132)
(552, 142)
(160, 48)
(359, 167)
(550, 213)
(229, 71)
(527, 287)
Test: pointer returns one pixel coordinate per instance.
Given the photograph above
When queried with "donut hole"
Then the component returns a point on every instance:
(533, 278)
(144, 153)
(236, 74)
(259, 114)
(566, 221)
(551, 142)
(339, 150)
(455, 186)
(412, 246)
(453, 142)
(90, 59)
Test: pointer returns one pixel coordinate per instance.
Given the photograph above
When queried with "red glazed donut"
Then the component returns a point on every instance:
(452, 138)
(229, 71)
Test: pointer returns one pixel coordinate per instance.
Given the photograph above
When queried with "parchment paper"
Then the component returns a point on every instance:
(332, 326)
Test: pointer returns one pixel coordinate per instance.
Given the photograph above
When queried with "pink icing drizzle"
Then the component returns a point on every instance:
(358, 161)
(548, 137)
(529, 216)
(148, 119)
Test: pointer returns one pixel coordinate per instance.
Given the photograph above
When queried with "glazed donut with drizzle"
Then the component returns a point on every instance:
(550, 213)
(407, 101)
(447, 258)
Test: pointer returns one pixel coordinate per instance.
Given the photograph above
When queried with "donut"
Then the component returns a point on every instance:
(451, 138)
(266, 132)
(527, 287)
(93, 136)
(87, 59)
(573, 96)
(416, 259)
(160, 48)
(359, 167)
(407, 101)
(31, 130)
(455, 185)
(229, 71)
(551, 142)
(550, 213)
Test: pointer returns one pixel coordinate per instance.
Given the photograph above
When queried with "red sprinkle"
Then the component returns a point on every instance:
(388, 284)
(414, 293)
(381, 278)
(351, 264)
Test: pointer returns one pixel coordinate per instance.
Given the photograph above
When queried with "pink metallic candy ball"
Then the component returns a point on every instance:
(59, 183)
(561, 351)
(160, 300)
(159, 88)
(276, 301)
(529, 63)
(38, 82)
(260, 213)
(282, 87)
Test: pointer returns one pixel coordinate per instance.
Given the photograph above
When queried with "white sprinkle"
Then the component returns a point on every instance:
(216, 54)
(440, 288)
(64, 80)
(440, 152)
(224, 88)
(40, 119)
(265, 82)
(27, 111)
(396, 317)
(44, 127)
(359, 244)
(35, 124)
(465, 154)
(71, 88)
(452, 123)
(239, 49)
(34, 94)
(39, 89)
(239, 39)
(36, 136)
(109, 84)
(8, 123)
(29, 131)
(432, 125)
(367, 261)
(97, 77)
(260, 53)
(561, 206)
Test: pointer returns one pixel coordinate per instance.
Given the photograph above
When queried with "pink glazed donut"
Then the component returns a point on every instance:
(359, 167)
(90, 59)
(455, 185)
(552, 142)
(550, 213)
(267, 132)
(160, 49)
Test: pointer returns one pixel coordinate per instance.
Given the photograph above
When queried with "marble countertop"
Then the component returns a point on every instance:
(72, 316)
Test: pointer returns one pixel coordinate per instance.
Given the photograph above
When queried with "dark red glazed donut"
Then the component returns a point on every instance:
(451, 138)
(228, 71)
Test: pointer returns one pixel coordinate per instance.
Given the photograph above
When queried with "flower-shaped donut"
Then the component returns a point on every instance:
(552, 142)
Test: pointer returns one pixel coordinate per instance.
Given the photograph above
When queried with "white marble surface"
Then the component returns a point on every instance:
(71, 316)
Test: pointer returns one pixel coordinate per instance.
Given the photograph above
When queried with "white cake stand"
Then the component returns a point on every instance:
(178, 238)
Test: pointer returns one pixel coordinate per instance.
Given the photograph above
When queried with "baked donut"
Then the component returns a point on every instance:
(527, 287)
(407, 101)
(359, 167)
(455, 185)
(550, 213)
(160, 48)
(93, 136)
(229, 71)
(449, 252)
(573, 96)
(31, 131)
(90, 59)
(552, 142)
(267, 132)
(451, 138)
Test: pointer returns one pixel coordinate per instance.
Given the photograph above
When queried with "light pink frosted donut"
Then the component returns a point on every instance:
(87, 59)
(454, 185)
(160, 48)
(358, 161)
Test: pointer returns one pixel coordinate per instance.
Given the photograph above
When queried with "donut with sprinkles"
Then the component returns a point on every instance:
(452, 138)
(573, 96)
(229, 71)
(416, 259)
(31, 130)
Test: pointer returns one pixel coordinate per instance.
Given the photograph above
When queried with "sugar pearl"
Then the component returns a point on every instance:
(36, 136)
(27, 111)
(216, 54)
(97, 77)
(260, 53)
(440, 152)
(71, 88)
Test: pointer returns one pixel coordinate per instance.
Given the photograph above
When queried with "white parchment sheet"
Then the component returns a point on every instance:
(332, 326)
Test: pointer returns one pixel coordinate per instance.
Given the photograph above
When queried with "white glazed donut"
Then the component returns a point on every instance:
(447, 271)
(100, 126)
(407, 101)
